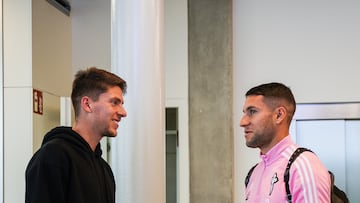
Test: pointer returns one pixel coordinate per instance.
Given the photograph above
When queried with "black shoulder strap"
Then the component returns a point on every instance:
(249, 174)
(297, 152)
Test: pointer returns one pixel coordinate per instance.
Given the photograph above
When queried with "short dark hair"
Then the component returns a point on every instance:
(92, 82)
(274, 93)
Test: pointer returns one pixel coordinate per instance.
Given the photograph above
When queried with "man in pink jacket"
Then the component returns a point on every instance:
(268, 111)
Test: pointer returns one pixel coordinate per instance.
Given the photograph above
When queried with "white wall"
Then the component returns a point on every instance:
(176, 84)
(1, 105)
(51, 64)
(91, 26)
(46, 121)
(51, 49)
(17, 96)
(312, 46)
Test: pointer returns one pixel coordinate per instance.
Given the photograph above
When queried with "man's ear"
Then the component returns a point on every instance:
(280, 114)
(86, 104)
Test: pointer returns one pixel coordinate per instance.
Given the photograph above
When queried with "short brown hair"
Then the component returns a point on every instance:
(273, 93)
(92, 82)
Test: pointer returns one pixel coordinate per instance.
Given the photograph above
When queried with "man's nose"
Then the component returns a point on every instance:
(122, 112)
(244, 121)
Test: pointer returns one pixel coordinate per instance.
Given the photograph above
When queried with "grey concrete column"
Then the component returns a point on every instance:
(210, 101)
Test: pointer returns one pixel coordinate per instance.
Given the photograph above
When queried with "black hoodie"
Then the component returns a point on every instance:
(65, 169)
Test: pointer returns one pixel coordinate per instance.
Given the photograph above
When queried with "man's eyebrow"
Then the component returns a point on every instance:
(248, 108)
(117, 99)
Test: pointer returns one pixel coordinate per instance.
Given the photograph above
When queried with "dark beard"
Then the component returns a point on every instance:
(109, 134)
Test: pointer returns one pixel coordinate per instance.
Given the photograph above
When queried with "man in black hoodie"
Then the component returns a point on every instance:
(68, 167)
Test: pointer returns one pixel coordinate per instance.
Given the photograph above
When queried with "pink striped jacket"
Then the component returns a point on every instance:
(309, 179)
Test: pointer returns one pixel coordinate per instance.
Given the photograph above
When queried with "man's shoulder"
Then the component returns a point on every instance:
(54, 151)
(56, 145)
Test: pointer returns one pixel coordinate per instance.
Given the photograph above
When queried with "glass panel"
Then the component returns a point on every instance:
(352, 160)
(171, 154)
(327, 139)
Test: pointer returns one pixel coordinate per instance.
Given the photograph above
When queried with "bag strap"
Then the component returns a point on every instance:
(297, 152)
(247, 179)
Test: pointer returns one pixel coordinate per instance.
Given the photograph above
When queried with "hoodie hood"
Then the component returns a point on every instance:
(66, 133)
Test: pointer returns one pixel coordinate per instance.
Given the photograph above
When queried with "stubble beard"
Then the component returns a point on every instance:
(253, 142)
(259, 140)
(109, 133)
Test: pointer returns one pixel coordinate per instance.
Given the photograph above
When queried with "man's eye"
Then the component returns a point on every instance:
(115, 102)
(251, 112)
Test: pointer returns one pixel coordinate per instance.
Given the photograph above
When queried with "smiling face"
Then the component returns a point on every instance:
(259, 123)
(108, 111)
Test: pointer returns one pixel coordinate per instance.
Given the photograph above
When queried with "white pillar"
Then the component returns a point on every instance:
(138, 153)
(1, 107)
(17, 90)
